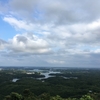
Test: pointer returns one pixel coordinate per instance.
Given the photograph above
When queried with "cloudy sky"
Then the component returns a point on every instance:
(56, 33)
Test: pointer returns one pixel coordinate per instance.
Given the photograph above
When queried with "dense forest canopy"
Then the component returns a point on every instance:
(69, 83)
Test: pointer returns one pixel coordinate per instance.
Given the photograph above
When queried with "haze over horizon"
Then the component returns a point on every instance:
(50, 33)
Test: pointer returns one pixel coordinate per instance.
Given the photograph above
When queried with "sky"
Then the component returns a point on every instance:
(50, 33)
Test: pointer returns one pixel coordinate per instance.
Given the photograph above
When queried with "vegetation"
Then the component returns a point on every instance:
(27, 95)
(70, 84)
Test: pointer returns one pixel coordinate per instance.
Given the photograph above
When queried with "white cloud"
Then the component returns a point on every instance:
(19, 24)
(29, 43)
(68, 31)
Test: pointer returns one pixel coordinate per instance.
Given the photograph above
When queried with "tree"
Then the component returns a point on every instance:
(56, 98)
(44, 96)
(13, 96)
(8, 97)
(28, 95)
(86, 97)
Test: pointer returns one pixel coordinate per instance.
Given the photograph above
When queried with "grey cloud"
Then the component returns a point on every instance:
(21, 39)
(64, 60)
(23, 4)
(24, 9)
(2, 42)
(57, 11)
